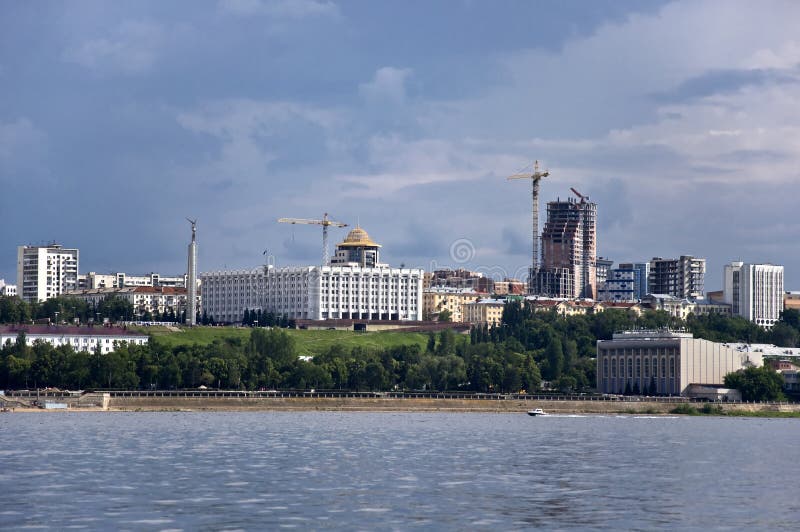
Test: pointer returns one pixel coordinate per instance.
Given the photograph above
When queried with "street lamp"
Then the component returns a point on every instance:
(56, 312)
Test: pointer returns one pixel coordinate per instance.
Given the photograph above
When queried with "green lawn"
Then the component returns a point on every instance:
(309, 342)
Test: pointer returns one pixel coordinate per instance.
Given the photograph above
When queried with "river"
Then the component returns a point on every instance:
(399, 471)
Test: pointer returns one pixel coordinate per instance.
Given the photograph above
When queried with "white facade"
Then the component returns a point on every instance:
(153, 299)
(755, 292)
(44, 272)
(315, 293)
(122, 279)
(8, 290)
(80, 338)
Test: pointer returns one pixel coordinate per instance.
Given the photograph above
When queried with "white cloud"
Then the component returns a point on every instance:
(132, 48)
(387, 85)
(291, 9)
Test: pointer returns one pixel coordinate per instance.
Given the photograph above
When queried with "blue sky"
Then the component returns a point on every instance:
(119, 119)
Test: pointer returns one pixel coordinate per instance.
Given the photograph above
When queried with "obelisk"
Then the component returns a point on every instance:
(191, 283)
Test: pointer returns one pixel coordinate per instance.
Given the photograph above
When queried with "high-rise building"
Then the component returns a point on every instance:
(569, 250)
(46, 271)
(619, 286)
(755, 292)
(642, 275)
(602, 265)
(682, 278)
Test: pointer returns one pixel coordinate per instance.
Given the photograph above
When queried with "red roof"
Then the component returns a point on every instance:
(57, 330)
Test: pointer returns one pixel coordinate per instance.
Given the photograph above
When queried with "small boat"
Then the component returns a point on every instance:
(536, 412)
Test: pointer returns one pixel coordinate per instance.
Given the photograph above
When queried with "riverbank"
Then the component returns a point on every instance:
(105, 403)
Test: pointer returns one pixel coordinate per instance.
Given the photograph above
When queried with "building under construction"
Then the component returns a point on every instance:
(569, 250)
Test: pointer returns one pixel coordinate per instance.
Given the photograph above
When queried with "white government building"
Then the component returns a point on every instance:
(355, 286)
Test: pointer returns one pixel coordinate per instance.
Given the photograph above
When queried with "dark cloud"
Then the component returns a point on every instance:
(723, 81)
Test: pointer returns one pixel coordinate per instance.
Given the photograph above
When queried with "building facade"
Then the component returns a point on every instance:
(602, 267)
(92, 280)
(755, 292)
(668, 360)
(345, 290)
(437, 299)
(152, 299)
(569, 250)
(44, 272)
(681, 278)
(8, 290)
(619, 286)
(642, 270)
(79, 338)
(484, 312)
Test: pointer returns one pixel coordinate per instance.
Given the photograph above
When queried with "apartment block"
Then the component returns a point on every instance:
(44, 272)
(681, 278)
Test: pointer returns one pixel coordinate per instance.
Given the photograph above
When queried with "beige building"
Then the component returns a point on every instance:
(484, 312)
(437, 299)
(668, 359)
(153, 299)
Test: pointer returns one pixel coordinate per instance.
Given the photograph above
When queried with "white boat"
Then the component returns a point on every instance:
(536, 412)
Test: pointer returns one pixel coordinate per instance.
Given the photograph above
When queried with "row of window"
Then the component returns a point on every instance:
(634, 367)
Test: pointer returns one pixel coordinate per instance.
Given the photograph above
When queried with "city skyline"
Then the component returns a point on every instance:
(118, 120)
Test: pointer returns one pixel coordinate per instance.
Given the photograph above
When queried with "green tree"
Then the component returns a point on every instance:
(757, 384)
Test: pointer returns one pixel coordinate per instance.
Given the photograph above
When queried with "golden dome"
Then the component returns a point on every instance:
(358, 238)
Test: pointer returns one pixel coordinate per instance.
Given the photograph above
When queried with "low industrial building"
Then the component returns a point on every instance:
(80, 338)
(669, 360)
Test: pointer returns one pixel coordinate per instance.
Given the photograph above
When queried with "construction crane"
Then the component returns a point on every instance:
(325, 223)
(581, 196)
(535, 177)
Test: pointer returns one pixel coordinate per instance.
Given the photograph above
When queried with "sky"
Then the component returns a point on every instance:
(120, 119)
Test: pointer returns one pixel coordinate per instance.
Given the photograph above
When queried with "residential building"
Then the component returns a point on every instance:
(460, 278)
(674, 306)
(681, 278)
(510, 287)
(668, 360)
(80, 338)
(439, 298)
(619, 286)
(484, 312)
(602, 267)
(44, 272)
(569, 250)
(8, 290)
(92, 280)
(152, 299)
(642, 270)
(791, 300)
(755, 292)
(342, 291)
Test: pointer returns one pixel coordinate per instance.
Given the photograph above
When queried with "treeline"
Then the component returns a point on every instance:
(528, 351)
(65, 309)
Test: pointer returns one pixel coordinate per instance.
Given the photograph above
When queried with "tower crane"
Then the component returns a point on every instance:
(325, 223)
(535, 177)
(581, 196)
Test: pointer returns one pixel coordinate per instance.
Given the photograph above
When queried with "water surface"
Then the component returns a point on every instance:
(323, 470)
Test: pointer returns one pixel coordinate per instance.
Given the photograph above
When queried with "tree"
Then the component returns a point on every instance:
(555, 359)
(445, 315)
(757, 384)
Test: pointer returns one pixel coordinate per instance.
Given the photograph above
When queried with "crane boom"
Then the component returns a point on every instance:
(535, 177)
(325, 222)
(581, 196)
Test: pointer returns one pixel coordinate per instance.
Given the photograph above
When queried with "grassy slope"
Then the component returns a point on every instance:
(308, 342)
